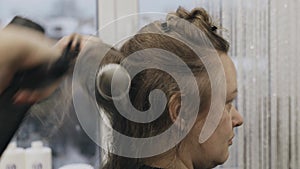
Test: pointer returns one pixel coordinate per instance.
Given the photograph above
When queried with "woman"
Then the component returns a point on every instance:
(157, 42)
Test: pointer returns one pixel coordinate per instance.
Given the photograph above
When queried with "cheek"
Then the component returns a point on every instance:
(215, 149)
(222, 133)
(228, 121)
(192, 139)
(195, 133)
(224, 130)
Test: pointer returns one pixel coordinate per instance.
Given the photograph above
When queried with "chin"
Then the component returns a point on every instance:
(223, 158)
(214, 163)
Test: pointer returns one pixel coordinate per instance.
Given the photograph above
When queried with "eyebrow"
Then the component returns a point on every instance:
(231, 98)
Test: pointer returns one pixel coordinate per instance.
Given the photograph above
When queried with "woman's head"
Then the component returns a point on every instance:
(170, 36)
(214, 151)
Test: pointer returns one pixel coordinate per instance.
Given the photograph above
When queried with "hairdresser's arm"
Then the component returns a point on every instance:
(22, 49)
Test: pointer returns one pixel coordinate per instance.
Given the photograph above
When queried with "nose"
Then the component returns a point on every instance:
(237, 119)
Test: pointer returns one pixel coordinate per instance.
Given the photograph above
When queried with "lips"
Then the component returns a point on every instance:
(230, 140)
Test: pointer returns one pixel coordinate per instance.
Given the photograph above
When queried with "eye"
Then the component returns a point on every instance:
(228, 107)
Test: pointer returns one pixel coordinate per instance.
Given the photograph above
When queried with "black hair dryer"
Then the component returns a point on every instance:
(12, 115)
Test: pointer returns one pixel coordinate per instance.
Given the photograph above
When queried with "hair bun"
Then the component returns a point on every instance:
(104, 81)
(183, 13)
(198, 16)
(196, 13)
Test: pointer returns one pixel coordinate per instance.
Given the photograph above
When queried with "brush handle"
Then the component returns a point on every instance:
(11, 116)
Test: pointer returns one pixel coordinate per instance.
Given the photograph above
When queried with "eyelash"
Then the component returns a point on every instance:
(230, 106)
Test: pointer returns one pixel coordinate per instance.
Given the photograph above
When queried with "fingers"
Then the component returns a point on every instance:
(89, 40)
(63, 42)
(76, 43)
(79, 41)
(31, 97)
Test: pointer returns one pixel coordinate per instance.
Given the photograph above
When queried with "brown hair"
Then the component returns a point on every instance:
(162, 35)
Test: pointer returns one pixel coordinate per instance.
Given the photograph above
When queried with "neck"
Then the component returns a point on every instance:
(168, 160)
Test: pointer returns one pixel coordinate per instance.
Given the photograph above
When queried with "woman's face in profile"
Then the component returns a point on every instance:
(216, 149)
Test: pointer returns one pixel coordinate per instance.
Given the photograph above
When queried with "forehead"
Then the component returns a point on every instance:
(230, 73)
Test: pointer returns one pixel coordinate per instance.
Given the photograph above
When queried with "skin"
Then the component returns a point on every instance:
(190, 154)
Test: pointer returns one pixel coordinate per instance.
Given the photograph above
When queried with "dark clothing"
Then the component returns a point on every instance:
(148, 167)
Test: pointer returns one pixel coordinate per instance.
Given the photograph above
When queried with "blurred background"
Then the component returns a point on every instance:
(59, 17)
(264, 37)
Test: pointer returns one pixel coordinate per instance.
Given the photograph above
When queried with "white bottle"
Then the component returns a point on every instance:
(13, 157)
(77, 166)
(38, 157)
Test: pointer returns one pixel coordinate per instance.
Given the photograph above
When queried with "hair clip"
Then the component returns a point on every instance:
(165, 27)
(213, 28)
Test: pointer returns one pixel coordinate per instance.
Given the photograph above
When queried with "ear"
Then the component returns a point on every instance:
(174, 106)
(174, 109)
